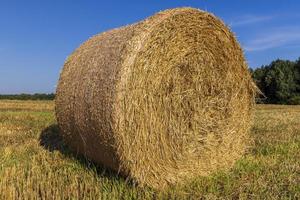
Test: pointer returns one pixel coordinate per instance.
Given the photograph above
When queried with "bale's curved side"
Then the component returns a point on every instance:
(85, 96)
(162, 100)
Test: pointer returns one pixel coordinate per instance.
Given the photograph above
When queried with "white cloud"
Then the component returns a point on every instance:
(274, 38)
(250, 19)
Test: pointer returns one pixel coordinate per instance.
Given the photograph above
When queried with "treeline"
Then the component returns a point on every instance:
(279, 82)
(36, 96)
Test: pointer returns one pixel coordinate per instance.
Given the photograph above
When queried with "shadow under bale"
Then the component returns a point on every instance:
(52, 140)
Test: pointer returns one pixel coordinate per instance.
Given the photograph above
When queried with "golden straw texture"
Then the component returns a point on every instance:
(159, 101)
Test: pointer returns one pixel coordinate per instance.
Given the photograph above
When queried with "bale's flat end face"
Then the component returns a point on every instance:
(162, 101)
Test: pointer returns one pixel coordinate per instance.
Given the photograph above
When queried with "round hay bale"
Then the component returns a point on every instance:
(159, 101)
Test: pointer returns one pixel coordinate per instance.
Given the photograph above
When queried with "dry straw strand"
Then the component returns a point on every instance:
(159, 101)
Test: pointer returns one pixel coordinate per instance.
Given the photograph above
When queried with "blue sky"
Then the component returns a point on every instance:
(37, 36)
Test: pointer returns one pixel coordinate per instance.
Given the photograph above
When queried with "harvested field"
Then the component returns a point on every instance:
(35, 163)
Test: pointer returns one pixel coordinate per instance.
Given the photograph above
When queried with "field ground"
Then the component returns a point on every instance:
(35, 163)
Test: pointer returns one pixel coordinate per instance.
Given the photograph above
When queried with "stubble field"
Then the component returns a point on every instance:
(36, 164)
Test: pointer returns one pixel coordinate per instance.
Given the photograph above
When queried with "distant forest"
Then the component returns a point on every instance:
(37, 96)
(279, 82)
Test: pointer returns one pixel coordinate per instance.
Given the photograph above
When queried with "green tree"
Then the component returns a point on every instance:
(279, 81)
